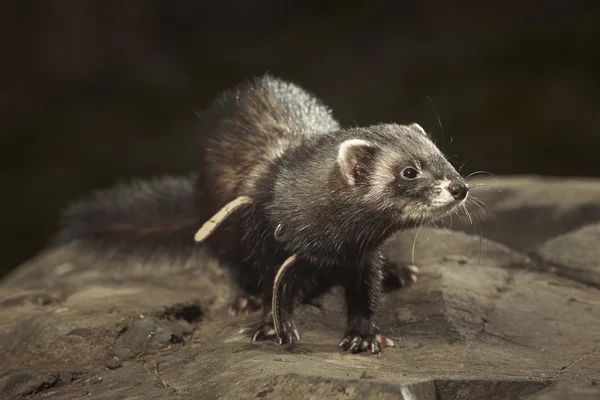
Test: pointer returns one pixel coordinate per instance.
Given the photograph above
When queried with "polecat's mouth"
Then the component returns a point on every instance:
(443, 209)
(430, 212)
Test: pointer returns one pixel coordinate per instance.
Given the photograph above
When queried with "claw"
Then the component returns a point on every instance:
(264, 332)
(373, 347)
(401, 277)
(356, 343)
(245, 331)
(355, 346)
(259, 331)
(255, 337)
(411, 272)
(290, 332)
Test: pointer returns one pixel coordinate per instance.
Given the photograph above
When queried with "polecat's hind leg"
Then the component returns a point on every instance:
(293, 278)
(245, 304)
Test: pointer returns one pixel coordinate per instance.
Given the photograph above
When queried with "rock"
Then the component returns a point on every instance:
(146, 333)
(26, 384)
(575, 254)
(113, 363)
(483, 321)
(525, 211)
(294, 386)
(563, 392)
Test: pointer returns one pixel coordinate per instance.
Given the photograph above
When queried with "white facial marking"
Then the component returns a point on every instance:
(382, 175)
(444, 197)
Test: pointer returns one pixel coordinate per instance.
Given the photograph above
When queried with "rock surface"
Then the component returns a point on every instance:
(524, 211)
(513, 315)
(576, 254)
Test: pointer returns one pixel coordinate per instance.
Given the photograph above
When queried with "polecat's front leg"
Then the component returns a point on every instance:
(363, 285)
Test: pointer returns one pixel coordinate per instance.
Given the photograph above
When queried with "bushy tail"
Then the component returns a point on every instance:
(146, 219)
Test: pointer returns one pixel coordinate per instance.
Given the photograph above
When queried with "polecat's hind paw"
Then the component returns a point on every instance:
(266, 331)
(356, 343)
(245, 304)
(259, 332)
(290, 332)
(398, 277)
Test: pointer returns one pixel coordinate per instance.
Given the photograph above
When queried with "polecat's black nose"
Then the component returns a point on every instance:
(458, 190)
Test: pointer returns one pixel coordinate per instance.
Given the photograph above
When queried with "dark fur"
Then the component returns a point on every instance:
(142, 219)
(274, 142)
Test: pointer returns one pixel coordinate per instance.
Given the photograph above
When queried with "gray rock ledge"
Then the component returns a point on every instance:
(513, 314)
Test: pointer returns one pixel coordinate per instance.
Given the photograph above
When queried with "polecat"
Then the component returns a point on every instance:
(331, 195)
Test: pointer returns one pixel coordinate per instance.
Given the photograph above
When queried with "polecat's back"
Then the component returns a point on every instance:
(248, 127)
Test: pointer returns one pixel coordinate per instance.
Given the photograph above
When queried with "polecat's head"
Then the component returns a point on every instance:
(398, 169)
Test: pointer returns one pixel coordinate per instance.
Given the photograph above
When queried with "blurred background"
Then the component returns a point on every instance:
(95, 92)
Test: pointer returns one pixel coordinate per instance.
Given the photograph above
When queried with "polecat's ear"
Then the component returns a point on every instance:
(416, 127)
(355, 159)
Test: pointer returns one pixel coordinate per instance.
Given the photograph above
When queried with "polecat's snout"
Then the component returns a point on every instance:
(459, 190)
(447, 194)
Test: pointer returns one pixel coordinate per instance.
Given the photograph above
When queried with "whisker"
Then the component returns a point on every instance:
(464, 207)
(447, 228)
(478, 185)
(439, 122)
(472, 174)
(463, 164)
(415, 240)
(481, 234)
(473, 186)
(441, 221)
(466, 212)
(481, 205)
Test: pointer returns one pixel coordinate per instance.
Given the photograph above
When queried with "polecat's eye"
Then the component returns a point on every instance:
(410, 173)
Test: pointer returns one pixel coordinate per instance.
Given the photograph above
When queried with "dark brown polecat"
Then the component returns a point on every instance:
(331, 195)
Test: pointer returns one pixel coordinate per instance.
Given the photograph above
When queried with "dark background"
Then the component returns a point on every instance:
(98, 91)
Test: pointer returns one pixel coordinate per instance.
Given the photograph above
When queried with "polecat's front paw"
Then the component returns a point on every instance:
(398, 277)
(245, 304)
(408, 274)
(356, 343)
